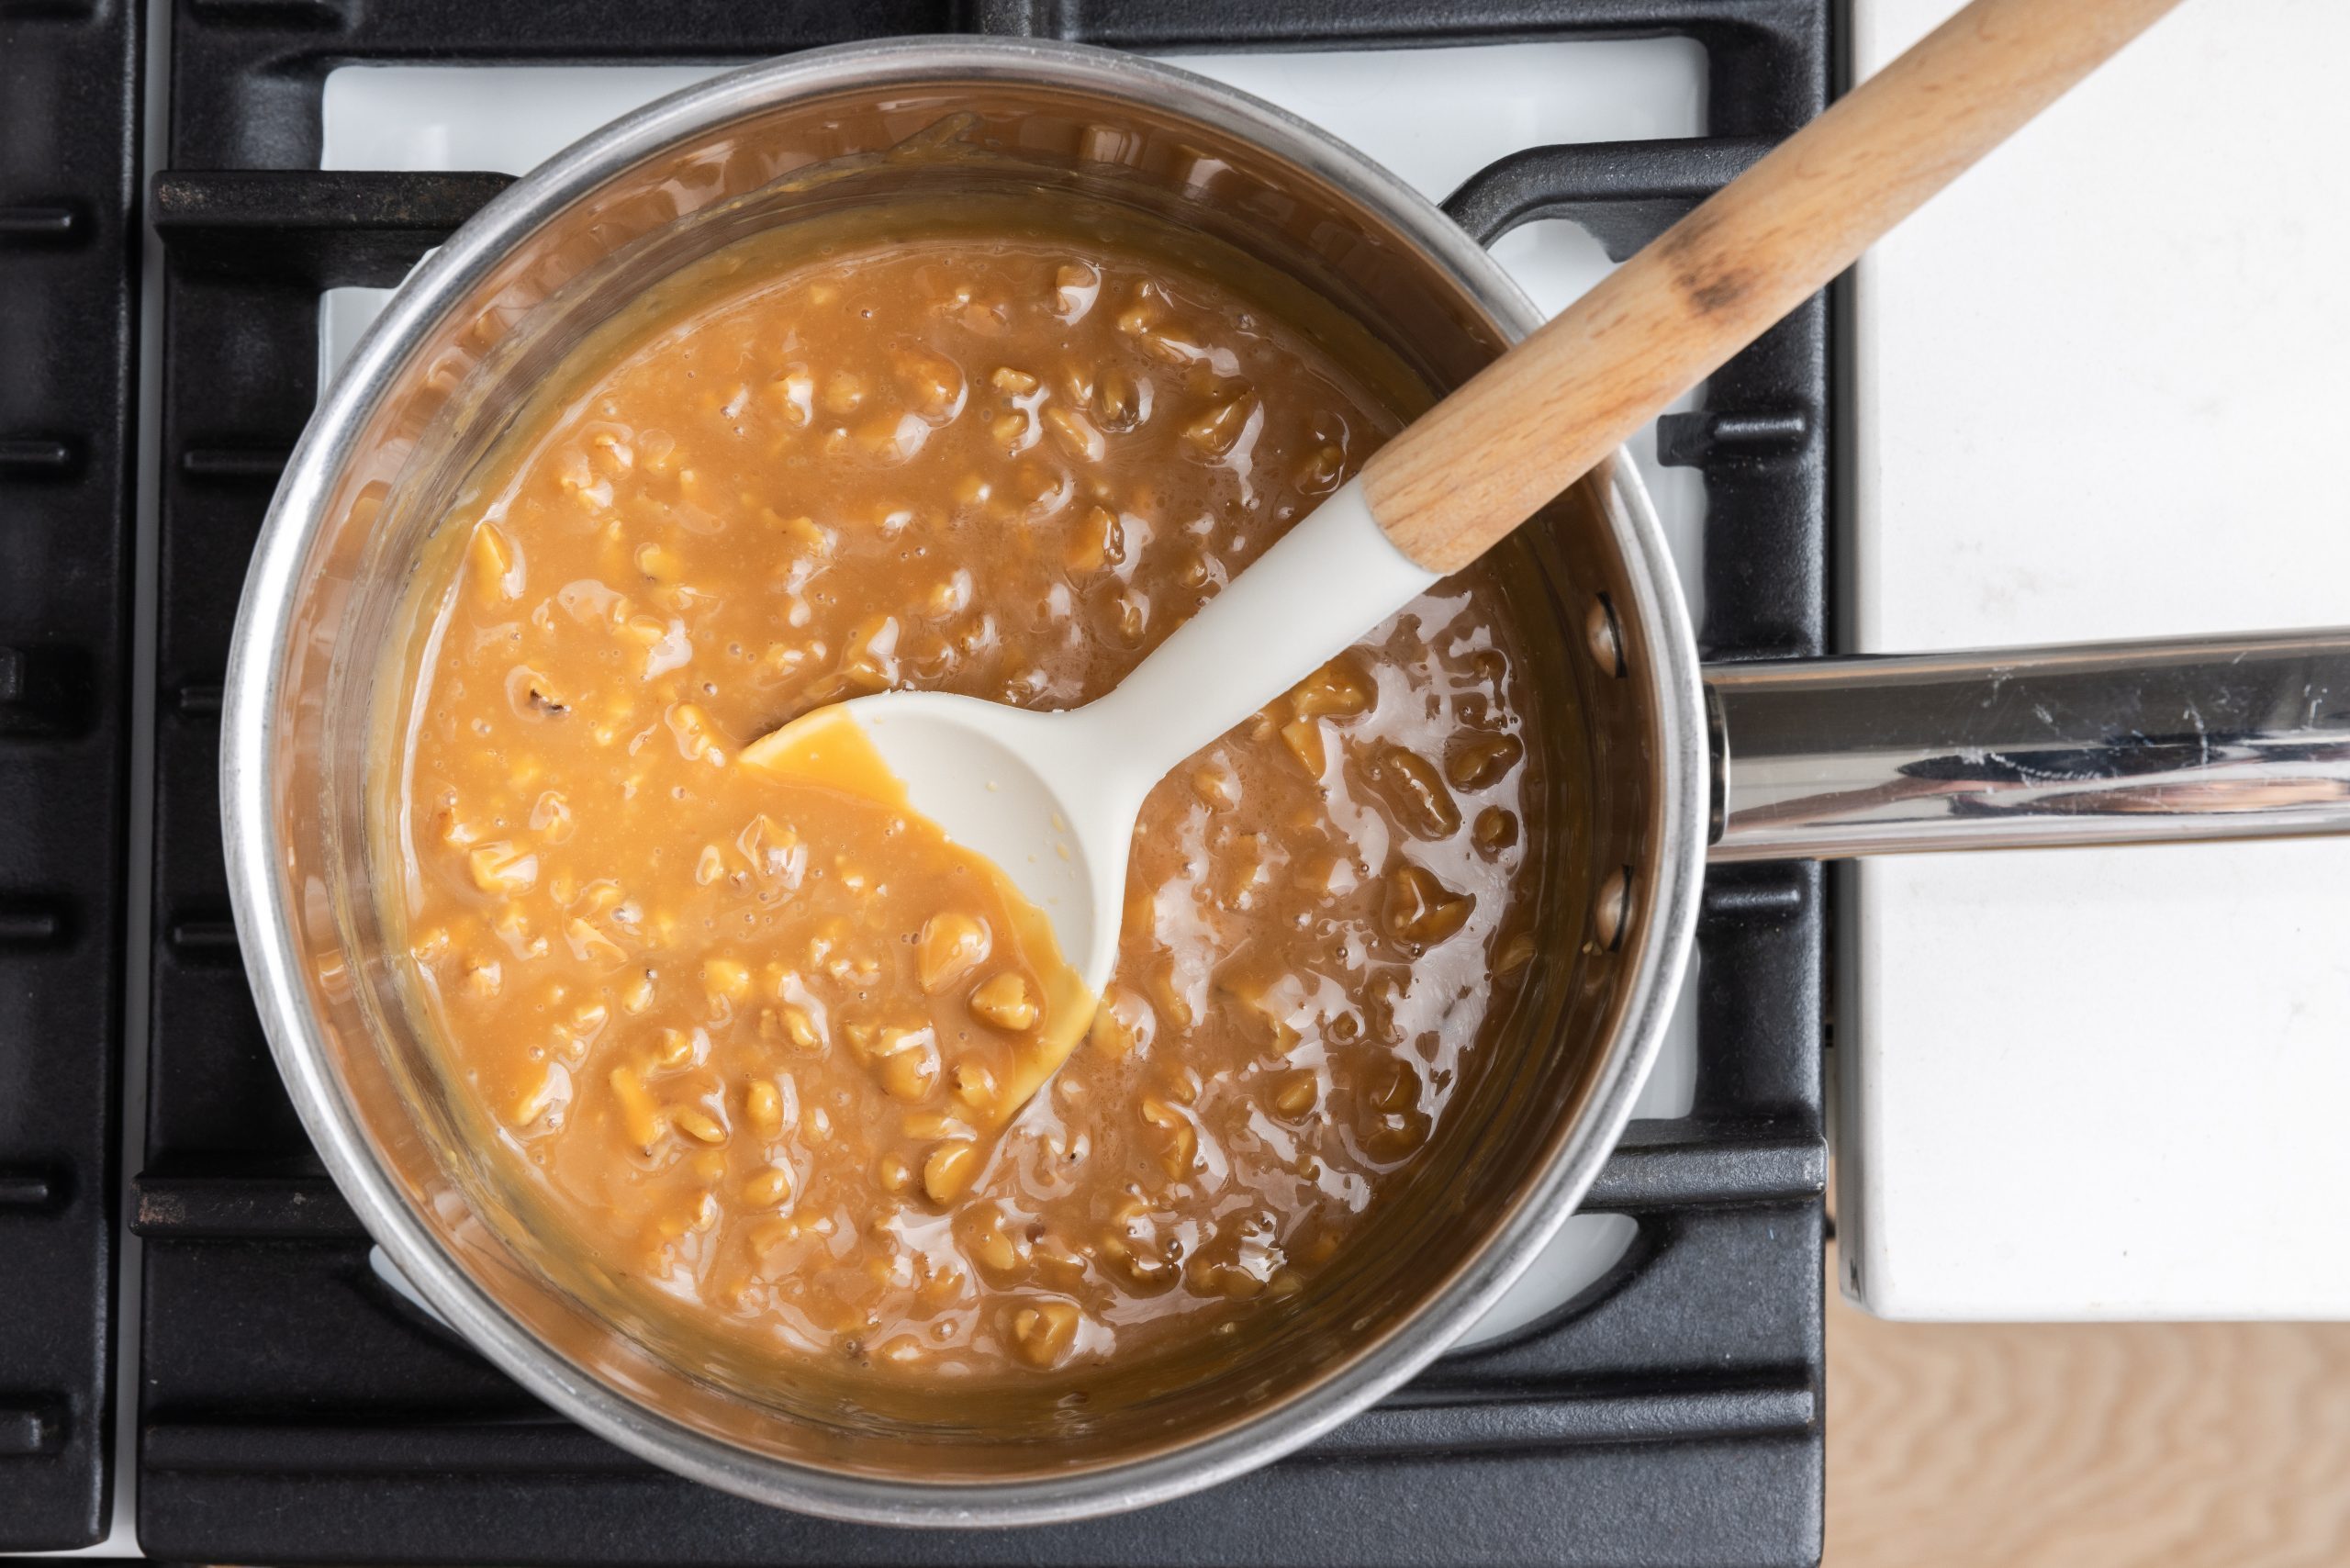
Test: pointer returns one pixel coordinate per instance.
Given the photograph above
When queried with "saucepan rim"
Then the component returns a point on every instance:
(264, 905)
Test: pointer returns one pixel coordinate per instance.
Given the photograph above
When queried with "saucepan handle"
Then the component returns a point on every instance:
(2106, 742)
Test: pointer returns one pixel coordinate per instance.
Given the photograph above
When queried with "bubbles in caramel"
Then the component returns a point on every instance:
(753, 1042)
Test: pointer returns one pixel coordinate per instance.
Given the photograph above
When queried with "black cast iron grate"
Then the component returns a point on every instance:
(69, 126)
(294, 1409)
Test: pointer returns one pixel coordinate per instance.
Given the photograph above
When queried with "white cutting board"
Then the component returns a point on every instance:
(2101, 393)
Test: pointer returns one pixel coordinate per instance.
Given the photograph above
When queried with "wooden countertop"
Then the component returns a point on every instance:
(2085, 1445)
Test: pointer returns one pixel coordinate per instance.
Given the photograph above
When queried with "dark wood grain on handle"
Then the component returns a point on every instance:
(1487, 457)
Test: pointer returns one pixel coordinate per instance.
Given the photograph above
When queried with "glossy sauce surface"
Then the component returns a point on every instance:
(749, 1038)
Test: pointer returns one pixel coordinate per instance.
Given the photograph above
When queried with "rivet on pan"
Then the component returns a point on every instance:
(1603, 637)
(1611, 910)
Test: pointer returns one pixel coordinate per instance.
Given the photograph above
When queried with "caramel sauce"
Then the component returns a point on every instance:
(753, 1039)
(1032, 1027)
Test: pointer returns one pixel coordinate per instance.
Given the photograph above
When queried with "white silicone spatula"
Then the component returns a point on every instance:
(1051, 798)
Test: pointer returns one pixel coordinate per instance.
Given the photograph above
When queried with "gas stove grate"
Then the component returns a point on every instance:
(69, 125)
(293, 1407)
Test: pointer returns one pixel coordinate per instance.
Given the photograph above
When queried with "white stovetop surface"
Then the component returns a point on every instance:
(2101, 396)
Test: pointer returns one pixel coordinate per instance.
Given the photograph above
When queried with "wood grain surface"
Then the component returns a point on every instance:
(2087, 1446)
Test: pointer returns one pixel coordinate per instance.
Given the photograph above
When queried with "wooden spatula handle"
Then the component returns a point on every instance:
(1487, 457)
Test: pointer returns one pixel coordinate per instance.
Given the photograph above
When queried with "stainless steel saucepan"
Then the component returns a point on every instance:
(1660, 763)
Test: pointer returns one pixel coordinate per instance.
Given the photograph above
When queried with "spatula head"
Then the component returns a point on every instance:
(1009, 786)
